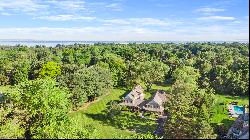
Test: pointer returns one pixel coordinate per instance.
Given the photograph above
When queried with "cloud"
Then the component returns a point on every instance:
(70, 5)
(194, 32)
(210, 10)
(114, 6)
(6, 14)
(43, 8)
(141, 22)
(116, 22)
(65, 18)
(216, 18)
(20, 5)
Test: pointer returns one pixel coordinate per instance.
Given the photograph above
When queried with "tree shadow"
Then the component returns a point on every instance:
(151, 92)
(126, 120)
(228, 123)
(222, 129)
(163, 84)
(232, 97)
(124, 94)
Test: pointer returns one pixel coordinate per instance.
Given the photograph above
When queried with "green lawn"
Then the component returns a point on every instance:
(220, 108)
(94, 116)
(220, 120)
(123, 126)
(128, 123)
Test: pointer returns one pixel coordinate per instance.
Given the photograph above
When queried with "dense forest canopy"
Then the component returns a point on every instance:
(73, 74)
(223, 67)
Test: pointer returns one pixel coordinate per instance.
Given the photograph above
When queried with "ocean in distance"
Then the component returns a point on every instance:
(54, 43)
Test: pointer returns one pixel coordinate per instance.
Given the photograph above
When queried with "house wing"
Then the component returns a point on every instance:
(157, 99)
(153, 102)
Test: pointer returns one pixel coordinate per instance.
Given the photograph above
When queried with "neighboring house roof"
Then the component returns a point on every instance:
(245, 136)
(240, 128)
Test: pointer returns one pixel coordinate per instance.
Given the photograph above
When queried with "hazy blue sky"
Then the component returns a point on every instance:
(184, 20)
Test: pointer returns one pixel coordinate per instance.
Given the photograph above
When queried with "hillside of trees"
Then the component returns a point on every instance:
(49, 82)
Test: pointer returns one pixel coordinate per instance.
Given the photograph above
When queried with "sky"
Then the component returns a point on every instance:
(125, 20)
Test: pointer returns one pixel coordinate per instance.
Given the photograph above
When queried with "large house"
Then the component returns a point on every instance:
(134, 98)
(156, 103)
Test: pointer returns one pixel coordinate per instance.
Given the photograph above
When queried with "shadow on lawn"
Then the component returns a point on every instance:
(222, 129)
(124, 94)
(126, 121)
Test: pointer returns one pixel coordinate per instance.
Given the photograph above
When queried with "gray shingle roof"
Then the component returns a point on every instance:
(136, 93)
(159, 98)
(136, 96)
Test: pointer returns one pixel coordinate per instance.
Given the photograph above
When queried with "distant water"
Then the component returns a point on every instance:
(54, 43)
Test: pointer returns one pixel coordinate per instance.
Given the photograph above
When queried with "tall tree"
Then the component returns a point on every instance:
(188, 107)
(86, 84)
(152, 71)
(42, 108)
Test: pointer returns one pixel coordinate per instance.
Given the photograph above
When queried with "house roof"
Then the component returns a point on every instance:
(238, 125)
(159, 97)
(135, 93)
(136, 103)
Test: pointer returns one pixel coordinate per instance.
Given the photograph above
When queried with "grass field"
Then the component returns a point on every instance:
(220, 109)
(220, 119)
(124, 125)
(90, 116)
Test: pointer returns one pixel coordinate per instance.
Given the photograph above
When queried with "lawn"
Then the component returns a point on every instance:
(220, 108)
(93, 115)
(220, 120)
(122, 126)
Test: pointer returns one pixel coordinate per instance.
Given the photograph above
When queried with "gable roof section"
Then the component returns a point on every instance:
(135, 93)
(159, 97)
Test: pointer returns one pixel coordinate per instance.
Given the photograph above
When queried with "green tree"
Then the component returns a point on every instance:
(189, 110)
(20, 72)
(10, 127)
(42, 108)
(86, 84)
(116, 65)
(50, 69)
(152, 71)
